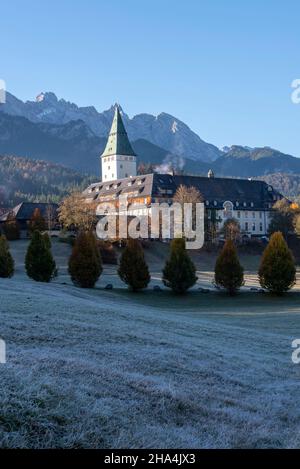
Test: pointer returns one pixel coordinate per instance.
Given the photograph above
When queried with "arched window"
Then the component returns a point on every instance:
(228, 208)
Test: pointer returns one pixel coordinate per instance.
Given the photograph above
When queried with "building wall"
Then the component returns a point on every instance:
(252, 222)
(118, 167)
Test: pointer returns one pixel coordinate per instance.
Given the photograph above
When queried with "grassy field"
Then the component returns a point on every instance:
(97, 368)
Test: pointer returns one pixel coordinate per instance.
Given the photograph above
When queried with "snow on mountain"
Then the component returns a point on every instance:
(163, 130)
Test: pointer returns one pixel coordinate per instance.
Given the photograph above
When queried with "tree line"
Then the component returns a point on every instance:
(277, 271)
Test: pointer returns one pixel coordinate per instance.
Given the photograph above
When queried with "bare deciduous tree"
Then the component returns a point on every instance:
(75, 212)
(186, 194)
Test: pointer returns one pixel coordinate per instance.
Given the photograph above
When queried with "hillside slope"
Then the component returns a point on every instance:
(23, 179)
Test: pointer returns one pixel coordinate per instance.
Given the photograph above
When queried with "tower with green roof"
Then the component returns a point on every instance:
(118, 160)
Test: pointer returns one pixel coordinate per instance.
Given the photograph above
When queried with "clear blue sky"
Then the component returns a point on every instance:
(224, 67)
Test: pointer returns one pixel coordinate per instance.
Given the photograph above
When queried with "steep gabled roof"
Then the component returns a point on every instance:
(25, 210)
(118, 142)
(215, 191)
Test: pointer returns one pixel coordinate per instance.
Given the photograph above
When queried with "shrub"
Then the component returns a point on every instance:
(107, 252)
(229, 273)
(277, 272)
(11, 230)
(6, 260)
(39, 263)
(179, 273)
(133, 269)
(85, 264)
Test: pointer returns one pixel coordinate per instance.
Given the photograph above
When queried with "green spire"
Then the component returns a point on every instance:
(118, 142)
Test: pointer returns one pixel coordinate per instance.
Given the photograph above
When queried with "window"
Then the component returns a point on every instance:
(246, 226)
(252, 204)
(228, 207)
(253, 227)
(121, 166)
(215, 202)
(253, 214)
(207, 202)
(260, 226)
(237, 204)
(245, 205)
(246, 214)
(239, 214)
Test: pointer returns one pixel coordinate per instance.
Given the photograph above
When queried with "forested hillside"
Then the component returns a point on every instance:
(23, 179)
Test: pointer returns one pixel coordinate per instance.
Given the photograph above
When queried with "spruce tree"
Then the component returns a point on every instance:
(85, 264)
(277, 271)
(39, 263)
(229, 273)
(179, 272)
(6, 260)
(133, 269)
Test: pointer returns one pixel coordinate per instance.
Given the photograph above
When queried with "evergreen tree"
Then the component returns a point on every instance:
(179, 272)
(277, 272)
(229, 273)
(37, 222)
(6, 260)
(85, 264)
(11, 229)
(133, 269)
(39, 263)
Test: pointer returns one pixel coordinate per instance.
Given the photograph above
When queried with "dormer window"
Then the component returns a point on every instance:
(215, 203)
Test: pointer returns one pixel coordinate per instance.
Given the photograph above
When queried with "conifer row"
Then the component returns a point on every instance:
(277, 271)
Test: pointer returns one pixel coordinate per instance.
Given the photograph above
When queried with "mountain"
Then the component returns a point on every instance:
(164, 130)
(246, 162)
(73, 145)
(63, 133)
(23, 179)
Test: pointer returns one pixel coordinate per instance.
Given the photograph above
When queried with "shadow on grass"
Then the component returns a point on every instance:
(213, 301)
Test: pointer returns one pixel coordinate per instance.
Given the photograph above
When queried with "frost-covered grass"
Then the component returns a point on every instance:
(96, 368)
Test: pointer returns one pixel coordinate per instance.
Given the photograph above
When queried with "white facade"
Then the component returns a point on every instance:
(252, 222)
(117, 167)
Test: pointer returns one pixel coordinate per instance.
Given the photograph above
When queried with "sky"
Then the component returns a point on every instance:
(225, 68)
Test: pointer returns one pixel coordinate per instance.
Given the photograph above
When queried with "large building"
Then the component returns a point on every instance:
(250, 202)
